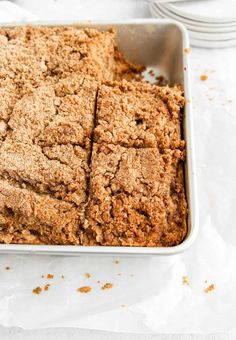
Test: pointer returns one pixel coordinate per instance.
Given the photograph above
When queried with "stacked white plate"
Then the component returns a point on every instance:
(211, 23)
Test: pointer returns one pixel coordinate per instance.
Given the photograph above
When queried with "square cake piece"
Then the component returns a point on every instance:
(139, 115)
(136, 197)
(30, 56)
(44, 155)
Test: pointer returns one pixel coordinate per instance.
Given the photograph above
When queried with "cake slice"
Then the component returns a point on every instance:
(136, 197)
(44, 158)
(139, 115)
(31, 56)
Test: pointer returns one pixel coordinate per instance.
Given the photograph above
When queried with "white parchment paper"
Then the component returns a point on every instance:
(148, 294)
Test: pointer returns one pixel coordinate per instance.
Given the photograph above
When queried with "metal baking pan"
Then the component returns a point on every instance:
(159, 44)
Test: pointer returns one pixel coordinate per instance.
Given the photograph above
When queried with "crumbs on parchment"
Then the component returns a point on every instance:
(187, 50)
(209, 288)
(37, 290)
(7, 268)
(62, 276)
(50, 276)
(84, 289)
(88, 275)
(107, 286)
(117, 261)
(203, 77)
(185, 280)
(46, 287)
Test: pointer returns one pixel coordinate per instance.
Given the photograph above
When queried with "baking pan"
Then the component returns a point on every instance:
(160, 44)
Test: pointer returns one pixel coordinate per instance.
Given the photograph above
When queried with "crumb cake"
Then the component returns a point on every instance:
(139, 115)
(86, 157)
(30, 56)
(44, 157)
(136, 197)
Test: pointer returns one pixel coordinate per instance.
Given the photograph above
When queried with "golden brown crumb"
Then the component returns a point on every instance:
(7, 268)
(203, 77)
(185, 280)
(50, 276)
(85, 289)
(209, 288)
(187, 50)
(62, 276)
(46, 287)
(151, 72)
(116, 261)
(127, 70)
(160, 80)
(37, 290)
(87, 275)
(107, 286)
(98, 281)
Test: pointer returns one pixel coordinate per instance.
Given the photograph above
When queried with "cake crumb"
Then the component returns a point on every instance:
(46, 287)
(210, 98)
(98, 281)
(209, 288)
(50, 276)
(119, 274)
(62, 276)
(185, 280)
(205, 281)
(87, 275)
(84, 289)
(107, 286)
(117, 261)
(151, 72)
(7, 268)
(123, 305)
(37, 290)
(42, 276)
(187, 50)
(203, 77)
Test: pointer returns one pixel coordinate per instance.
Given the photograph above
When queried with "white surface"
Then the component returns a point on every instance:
(216, 143)
(216, 24)
(217, 10)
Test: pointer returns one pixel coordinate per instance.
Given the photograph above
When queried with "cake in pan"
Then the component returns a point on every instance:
(86, 157)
